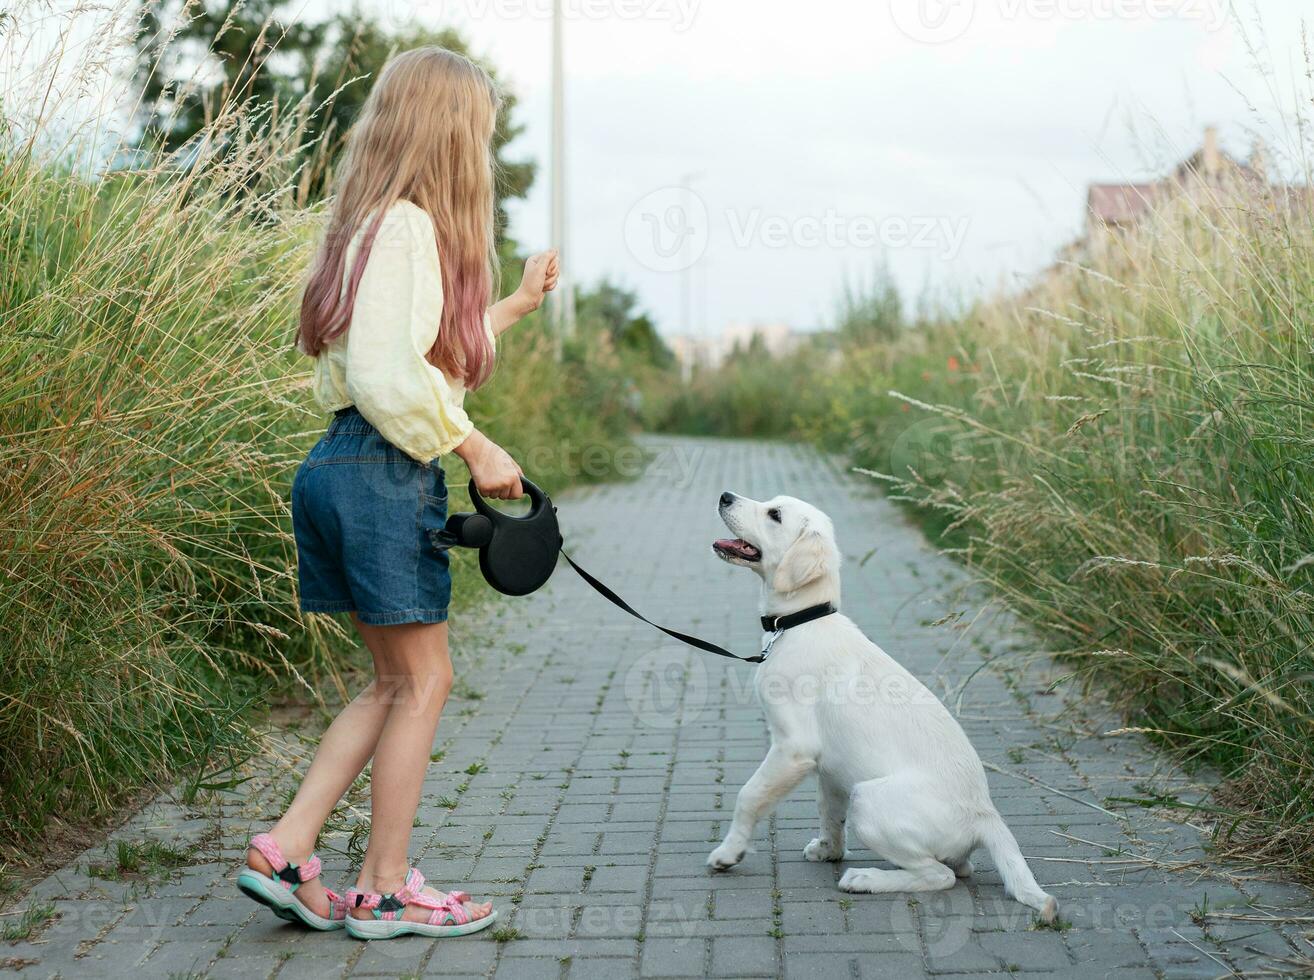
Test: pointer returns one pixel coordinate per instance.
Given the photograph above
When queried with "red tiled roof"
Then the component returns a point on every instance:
(1119, 204)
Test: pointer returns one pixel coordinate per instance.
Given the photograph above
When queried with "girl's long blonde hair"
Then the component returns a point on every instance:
(424, 135)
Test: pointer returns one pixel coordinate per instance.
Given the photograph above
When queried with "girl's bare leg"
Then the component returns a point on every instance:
(418, 657)
(343, 751)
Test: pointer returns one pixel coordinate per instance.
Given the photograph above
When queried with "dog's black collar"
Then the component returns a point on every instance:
(778, 624)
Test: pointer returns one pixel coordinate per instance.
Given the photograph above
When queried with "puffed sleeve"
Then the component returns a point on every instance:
(394, 323)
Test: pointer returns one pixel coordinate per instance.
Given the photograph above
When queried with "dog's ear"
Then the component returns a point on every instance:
(804, 562)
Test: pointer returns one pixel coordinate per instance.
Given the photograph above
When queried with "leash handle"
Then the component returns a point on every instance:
(537, 500)
(616, 600)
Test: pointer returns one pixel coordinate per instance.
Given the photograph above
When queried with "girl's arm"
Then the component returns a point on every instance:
(541, 276)
(493, 470)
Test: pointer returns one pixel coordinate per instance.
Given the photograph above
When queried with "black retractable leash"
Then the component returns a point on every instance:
(517, 556)
(693, 641)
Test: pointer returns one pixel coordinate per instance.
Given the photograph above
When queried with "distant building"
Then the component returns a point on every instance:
(709, 353)
(694, 354)
(777, 339)
(1207, 175)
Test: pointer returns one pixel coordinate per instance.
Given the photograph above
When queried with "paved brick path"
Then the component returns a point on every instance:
(589, 765)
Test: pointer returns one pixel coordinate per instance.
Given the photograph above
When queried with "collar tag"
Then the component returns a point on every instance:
(771, 641)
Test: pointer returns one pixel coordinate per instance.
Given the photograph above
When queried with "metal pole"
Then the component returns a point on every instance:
(563, 306)
(687, 267)
(686, 272)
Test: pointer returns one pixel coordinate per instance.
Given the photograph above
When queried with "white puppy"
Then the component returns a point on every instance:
(889, 757)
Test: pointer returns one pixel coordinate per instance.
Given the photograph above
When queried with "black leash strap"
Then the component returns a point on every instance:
(616, 600)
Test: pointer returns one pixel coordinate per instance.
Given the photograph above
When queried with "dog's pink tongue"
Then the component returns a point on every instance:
(730, 544)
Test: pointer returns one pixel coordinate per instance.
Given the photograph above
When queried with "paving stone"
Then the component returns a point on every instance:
(1037, 950)
(680, 958)
(846, 966)
(601, 968)
(226, 968)
(618, 879)
(529, 969)
(185, 957)
(814, 916)
(548, 879)
(744, 956)
(743, 903)
(301, 967)
(575, 946)
(474, 957)
(392, 959)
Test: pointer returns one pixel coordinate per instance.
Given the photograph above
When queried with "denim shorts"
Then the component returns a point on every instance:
(361, 512)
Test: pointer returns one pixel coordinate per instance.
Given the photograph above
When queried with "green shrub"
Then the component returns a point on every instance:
(752, 394)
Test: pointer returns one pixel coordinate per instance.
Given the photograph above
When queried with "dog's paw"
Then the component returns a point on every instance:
(1049, 910)
(856, 880)
(725, 857)
(823, 850)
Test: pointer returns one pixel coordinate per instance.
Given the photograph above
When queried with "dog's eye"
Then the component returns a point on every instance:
(774, 514)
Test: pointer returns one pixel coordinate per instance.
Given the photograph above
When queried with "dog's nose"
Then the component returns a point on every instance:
(727, 499)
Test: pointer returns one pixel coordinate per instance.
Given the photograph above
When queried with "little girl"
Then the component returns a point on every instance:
(396, 315)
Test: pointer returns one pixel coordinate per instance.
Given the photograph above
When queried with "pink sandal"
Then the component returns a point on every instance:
(447, 918)
(278, 891)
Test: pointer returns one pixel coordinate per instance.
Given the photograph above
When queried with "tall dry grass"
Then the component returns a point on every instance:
(152, 412)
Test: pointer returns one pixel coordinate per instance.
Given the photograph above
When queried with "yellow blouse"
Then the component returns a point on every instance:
(379, 365)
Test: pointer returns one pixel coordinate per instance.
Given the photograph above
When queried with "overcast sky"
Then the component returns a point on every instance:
(951, 139)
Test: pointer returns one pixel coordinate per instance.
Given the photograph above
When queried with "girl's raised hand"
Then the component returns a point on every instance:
(542, 273)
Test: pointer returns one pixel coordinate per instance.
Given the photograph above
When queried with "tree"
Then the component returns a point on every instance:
(350, 66)
(196, 57)
(615, 311)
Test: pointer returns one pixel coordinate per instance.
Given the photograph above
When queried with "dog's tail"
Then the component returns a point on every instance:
(1018, 879)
